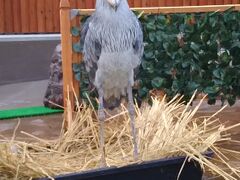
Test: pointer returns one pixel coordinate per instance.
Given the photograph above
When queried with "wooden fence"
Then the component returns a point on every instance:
(42, 16)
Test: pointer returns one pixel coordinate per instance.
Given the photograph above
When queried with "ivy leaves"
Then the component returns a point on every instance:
(185, 52)
(204, 57)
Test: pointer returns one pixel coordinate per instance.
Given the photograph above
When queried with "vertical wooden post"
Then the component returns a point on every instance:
(41, 23)
(24, 16)
(33, 16)
(235, 1)
(66, 41)
(186, 2)
(16, 16)
(2, 17)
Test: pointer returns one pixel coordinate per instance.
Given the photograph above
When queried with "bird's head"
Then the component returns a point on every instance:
(114, 3)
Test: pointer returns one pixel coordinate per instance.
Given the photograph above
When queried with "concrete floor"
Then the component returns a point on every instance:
(24, 94)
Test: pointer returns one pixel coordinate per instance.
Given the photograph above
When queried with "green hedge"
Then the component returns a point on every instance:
(185, 52)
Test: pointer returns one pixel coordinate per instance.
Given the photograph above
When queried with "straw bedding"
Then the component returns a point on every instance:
(164, 130)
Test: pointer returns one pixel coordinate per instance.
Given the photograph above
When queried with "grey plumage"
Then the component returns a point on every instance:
(113, 47)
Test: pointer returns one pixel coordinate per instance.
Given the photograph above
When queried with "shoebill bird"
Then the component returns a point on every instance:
(112, 49)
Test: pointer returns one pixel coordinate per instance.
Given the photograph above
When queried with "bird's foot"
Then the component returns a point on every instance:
(135, 153)
(103, 162)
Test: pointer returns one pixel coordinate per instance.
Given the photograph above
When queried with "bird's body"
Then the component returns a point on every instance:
(113, 47)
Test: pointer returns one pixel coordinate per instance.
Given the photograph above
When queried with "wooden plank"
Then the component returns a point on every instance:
(56, 18)
(235, 1)
(131, 3)
(49, 15)
(195, 2)
(178, 2)
(227, 2)
(93, 3)
(2, 16)
(81, 4)
(180, 9)
(66, 42)
(161, 3)
(154, 3)
(33, 27)
(211, 2)
(8, 20)
(89, 4)
(186, 2)
(16, 16)
(203, 2)
(137, 3)
(218, 2)
(170, 3)
(41, 16)
(24, 15)
(144, 3)
(73, 4)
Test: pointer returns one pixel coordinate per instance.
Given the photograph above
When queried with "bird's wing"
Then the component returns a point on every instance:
(138, 45)
(91, 48)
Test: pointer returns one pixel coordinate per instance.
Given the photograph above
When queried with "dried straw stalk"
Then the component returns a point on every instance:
(164, 130)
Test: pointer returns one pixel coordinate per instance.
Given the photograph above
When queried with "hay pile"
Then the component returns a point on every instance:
(164, 130)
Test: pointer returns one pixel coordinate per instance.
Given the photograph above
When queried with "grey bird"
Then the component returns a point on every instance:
(112, 40)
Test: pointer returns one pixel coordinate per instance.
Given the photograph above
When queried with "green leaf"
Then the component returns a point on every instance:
(76, 67)
(143, 92)
(161, 19)
(166, 45)
(225, 57)
(157, 82)
(211, 90)
(231, 100)
(77, 47)
(75, 31)
(218, 82)
(205, 36)
(151, 26)
(152, 36)
(78, 76)
(195, 47)
(192, 86)
(149, 54)
(236, 44)
(185, 64)
(218, 73)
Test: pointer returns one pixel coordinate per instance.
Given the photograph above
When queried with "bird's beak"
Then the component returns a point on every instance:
(114, 4)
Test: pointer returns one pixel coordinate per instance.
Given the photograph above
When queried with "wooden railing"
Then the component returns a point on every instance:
(42, 16)
(69, 57)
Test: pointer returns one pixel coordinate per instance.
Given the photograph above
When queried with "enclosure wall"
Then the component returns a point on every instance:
(42, 16)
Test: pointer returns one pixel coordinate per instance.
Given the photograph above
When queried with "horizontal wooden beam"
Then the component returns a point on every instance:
(176, 9)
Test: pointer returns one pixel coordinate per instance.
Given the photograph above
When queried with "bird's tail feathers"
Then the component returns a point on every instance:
(112, 103)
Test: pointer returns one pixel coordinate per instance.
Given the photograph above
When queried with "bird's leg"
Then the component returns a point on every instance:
(132, 114)
(101, 117)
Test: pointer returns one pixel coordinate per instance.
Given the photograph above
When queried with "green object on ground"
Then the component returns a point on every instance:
(27, 112)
